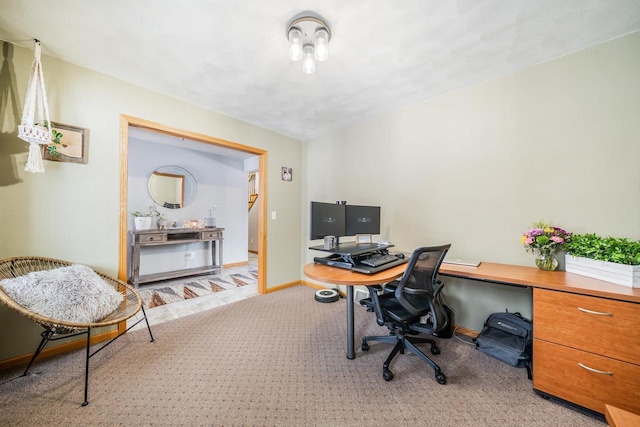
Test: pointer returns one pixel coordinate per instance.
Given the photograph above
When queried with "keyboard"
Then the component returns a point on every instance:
(377, 261)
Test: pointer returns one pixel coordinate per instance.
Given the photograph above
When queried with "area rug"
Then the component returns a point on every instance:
(195, 287)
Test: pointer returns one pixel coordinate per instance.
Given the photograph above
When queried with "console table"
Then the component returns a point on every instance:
(145, 238)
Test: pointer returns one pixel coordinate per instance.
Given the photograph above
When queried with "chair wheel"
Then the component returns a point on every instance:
(435, 350)
(441, 378)
(364, 346)
(387, 375)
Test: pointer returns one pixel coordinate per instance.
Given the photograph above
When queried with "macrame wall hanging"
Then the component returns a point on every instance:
(35, 130)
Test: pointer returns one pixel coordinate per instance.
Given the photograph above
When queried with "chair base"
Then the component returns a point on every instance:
(49, 335)
(403, 342)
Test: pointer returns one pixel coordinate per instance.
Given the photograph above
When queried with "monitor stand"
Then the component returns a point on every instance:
(346, 255)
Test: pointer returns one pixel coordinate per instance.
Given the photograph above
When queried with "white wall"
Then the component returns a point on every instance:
(223, 184)
(71, 211)
(477, 167)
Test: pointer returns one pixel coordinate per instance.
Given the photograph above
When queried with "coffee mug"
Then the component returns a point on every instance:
(329, 242)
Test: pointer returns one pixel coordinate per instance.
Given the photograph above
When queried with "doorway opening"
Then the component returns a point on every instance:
(125, 123)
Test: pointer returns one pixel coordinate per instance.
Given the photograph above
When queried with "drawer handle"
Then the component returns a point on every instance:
(599, 313)
(595, 371)
(150, 238)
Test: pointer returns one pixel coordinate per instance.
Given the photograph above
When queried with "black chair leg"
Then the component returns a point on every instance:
(416, 340)
(46, 336)
(415, 350)
(403, 342)
(144, 313)
(440, 377)
(391, 339)
(396, 348)
(86, 369)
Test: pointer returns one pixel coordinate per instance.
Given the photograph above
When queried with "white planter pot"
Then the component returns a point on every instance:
(620, 274)
(143, 222)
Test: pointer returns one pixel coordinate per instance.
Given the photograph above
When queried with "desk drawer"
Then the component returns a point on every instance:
(211, 235)
(598, 325)
(152, 238)
(556, 372)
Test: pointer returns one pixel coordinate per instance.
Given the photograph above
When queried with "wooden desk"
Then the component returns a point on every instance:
(586, 337)
(586, 340)
(617, 417)
(340, 276)
(535, 278)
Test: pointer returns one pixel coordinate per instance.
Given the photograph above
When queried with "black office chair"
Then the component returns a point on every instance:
(415, 307)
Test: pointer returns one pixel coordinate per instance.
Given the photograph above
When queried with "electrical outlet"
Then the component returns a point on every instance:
(359, 294)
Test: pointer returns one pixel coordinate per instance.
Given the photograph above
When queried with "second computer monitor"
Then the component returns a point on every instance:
(362, 220)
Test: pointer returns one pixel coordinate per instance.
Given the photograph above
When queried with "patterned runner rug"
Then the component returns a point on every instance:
(195, 287)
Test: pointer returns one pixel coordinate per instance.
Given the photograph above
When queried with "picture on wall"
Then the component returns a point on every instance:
(287, 174)
(72, 145)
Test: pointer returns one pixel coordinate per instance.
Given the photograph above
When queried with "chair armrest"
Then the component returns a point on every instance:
(375, 298)
(406, 304)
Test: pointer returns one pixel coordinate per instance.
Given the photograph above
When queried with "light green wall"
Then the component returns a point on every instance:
(71, 211)
(474, 168)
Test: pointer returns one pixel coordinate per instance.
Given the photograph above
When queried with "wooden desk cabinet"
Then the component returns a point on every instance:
(587, 349)
(145, 238)
(586, 334)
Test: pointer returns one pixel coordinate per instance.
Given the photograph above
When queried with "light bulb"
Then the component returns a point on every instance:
(322, 44)
(308, 65)
(295, 44)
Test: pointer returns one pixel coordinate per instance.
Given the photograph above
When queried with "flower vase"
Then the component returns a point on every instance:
(546, 261)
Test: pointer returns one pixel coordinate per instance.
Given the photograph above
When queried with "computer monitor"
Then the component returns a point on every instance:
(327, 219)
(362, 220)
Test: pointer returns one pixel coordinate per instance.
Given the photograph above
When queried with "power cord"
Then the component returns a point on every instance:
(466, 341)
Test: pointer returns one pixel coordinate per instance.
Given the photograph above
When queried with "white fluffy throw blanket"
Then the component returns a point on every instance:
(70, 294)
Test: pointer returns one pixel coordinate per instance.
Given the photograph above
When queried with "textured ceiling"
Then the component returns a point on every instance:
(230, 56)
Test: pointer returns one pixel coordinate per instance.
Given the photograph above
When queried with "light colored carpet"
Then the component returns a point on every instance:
(274, 360)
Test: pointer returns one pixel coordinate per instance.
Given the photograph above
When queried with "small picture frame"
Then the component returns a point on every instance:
(73, 146)
(287, 174)
(364, 238)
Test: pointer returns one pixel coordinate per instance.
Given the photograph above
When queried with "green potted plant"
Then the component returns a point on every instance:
(615, 260)
(144, 220)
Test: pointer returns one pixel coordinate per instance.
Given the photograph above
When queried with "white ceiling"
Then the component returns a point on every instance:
(230, 56)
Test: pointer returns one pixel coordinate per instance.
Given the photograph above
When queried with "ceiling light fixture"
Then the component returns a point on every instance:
(309, 37)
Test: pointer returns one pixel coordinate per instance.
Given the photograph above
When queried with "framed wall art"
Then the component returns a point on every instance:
(72, 145)
(287, 174)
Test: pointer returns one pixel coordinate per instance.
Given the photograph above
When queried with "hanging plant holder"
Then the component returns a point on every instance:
(29, 130)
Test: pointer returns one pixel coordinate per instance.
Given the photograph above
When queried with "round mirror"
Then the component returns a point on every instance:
(172, 187)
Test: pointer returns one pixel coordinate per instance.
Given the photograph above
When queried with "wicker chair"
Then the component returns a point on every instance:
(55, 329)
